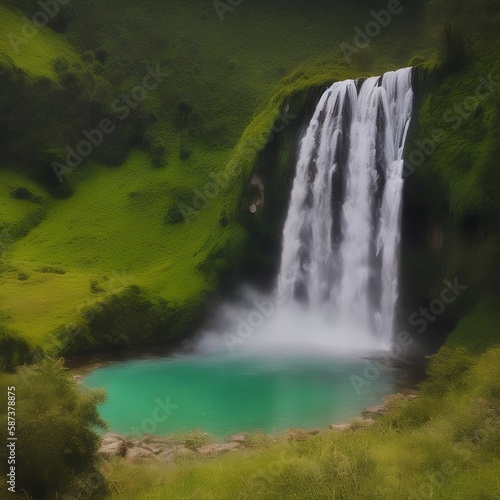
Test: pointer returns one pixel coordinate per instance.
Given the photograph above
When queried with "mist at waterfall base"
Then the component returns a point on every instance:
(260, 324)
(298, 357)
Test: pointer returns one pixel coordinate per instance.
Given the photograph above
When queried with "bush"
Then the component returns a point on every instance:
(196, 439)
(88, 56)
(174, 215)
(184, 153)
(61, 65)
(158, 156)
(20, 229)
(95, 287)
(13, 350)
(55, 418)
(448, 370)
(406, 414)
(51, 270)
(22, 193)
(129, 318)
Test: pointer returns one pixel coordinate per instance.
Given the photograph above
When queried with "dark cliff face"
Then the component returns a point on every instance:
(265, 199)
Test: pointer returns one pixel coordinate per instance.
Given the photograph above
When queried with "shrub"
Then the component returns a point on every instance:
(14, 350)
(51, 270)
(61, 65)
(174, 215)
(448, 370)
(95, 287)
(196, 439)
(158, 156)
(184, 153)
(22, 193)
(404, 414)
(88, 56)
(55, 417)
(126, 319)
(20, 229)
(256, 439)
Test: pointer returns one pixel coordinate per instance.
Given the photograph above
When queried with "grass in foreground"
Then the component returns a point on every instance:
(444, 445)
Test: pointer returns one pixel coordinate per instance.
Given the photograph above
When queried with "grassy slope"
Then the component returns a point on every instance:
(114, 224)
(103, 230)
(37, 55)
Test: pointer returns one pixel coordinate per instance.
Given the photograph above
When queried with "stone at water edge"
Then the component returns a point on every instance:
(115, 449)
(374, 411)
(167, 455)
(301, 434)
(313, 432)
(216, 448)
(236, 438)
(340, 427)
(391, 397)
(111, 438)
(136, 454)
(182, 451)
(157, 448)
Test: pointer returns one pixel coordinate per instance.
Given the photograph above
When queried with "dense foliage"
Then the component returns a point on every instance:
(56, 421)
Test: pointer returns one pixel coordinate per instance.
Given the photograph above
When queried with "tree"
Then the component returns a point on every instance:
(56, 444)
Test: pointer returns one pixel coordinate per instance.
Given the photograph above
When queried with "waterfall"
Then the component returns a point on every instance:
(340, 256)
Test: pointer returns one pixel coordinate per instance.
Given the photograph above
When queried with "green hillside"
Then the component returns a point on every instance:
(123, 226)
(118, 219)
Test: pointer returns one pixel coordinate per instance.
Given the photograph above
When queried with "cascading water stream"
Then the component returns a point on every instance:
(342, 233)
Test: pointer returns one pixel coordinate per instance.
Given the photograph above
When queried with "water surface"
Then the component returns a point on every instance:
(222, 393)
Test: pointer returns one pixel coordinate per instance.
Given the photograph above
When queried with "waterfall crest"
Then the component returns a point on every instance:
(340, 256)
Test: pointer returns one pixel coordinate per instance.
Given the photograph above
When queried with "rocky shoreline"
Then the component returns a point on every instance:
(167, 449)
